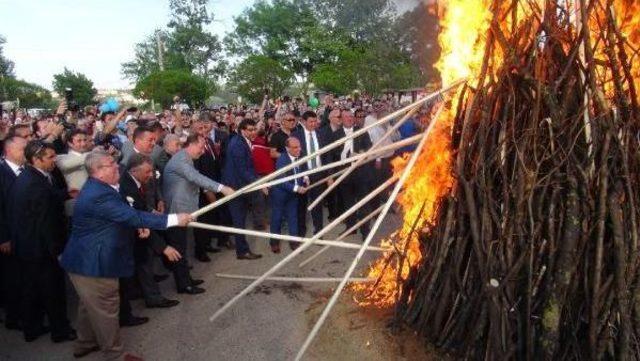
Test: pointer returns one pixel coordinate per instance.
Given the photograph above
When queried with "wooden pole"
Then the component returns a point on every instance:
(343, 235)
(303, 247)
(294, 279)
(282, 237)
(352, 267)
(329, 147)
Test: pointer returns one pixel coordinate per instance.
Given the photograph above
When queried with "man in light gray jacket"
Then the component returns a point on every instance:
(181, 188)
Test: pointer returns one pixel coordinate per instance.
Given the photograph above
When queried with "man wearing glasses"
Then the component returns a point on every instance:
(278, 140)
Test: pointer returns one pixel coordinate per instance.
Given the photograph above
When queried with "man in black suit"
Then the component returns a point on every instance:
(10, 168)
(148, 243)
(331, 132)
(311, 141)
(356, 185)
(38, 236)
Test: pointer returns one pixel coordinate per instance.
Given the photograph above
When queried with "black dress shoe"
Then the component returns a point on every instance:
(30, 337)
(133, 321)
(85, 352)
(195, 282)
(69, 336)
(160, 278)
(275, 248)
(163, 303)
(212, 249)
(203, 258)
(226, 244)
(249, 256)
(191, 290)
(12, 325)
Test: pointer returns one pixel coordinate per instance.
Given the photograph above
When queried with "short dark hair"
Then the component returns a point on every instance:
(36, 149)
(192, 139)
(154, 126)
(246, 123)
(13, 131)
(309, 114)
(137, 160)
(141, 130)
(72, 133)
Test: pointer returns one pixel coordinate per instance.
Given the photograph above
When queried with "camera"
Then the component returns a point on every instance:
(72, 104)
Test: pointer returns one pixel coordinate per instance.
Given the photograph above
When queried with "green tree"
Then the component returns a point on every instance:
(258, 74)
(162, 86)
(6, 65)
(30, 95)
(417, 33)
(361, 20)
(147, 61)
(82, 87)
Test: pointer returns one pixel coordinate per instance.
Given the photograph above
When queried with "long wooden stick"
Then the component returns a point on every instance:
(359, 162)
(352, 267)
(343, 235)
(325, 179)
(365, 157)
(303, 247)
(293, 279)
(323, 150)
(282, 237)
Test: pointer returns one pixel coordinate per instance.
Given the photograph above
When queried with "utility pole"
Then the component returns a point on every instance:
(160, 51)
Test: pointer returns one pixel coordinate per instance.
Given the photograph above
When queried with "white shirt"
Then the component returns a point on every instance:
(311, 136)
(347, 148)
(376, 133)
(14, 167)
(306, 179)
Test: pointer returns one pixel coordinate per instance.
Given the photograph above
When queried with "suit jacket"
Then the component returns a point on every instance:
(37, 222)
(238, 168)
(222, 137)
(209, 164)
(361, 144)
(154, 187)
(182, 182)
(72, 167)
(323, 141)
(101, 239)
(282, 191)
(7, 178)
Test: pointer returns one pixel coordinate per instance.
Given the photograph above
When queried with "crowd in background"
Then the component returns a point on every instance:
(171, 162)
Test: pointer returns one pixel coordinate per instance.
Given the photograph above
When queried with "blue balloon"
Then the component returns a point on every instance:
(113, 104)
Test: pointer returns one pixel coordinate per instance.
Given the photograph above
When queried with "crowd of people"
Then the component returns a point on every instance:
(104, 198)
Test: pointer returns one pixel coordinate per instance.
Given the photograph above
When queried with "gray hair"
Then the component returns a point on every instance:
(93, 160)
(170, 138)
(137, 160)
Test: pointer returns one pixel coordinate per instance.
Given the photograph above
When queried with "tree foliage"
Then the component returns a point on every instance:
(82, 87)
(257, 75)
(30, 95)
(6, 65)
(162, 86)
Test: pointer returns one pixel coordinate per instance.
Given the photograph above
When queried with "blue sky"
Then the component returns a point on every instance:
(90, 36)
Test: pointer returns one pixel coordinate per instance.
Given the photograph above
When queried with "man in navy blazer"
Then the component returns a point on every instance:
(100, 250)
(239, 172)
(284, 196)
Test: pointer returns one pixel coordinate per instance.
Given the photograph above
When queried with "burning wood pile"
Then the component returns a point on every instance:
(521, 222)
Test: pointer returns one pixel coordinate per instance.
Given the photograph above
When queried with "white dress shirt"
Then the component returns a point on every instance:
(347, 148)
(17, 169)
(311, 136)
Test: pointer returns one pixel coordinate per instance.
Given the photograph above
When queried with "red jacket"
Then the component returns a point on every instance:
(262, 160)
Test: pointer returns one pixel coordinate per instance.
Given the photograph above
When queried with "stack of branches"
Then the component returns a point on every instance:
(534, 255)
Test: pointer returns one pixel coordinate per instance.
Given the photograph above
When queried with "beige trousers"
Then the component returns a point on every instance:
(98, 323)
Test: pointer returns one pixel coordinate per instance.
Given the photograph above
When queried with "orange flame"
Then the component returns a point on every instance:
(464, 26)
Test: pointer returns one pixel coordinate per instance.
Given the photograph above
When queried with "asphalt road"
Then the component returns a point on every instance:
(271, 323)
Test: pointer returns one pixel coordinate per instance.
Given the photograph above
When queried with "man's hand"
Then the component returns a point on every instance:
(210, 196)
(172, 254)
(184, 219)
(160, 206)
(302, 190)
(378, 164)
(5, 248)
(62, 108)
(265, 191)
(73, 193)
(330, 182)
(227, 191)
(144, 233)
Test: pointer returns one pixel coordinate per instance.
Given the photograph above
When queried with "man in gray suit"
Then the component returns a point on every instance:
(181, 188)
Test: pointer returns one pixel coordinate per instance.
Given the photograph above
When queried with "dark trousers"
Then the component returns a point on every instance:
(284, 208)
(218, 216)
(144, 275)
(125, 287)
(316, 213)
(11, 289)
(351, 191)
(177, 238)
(380, 176)
(238, 209)
(43, 292)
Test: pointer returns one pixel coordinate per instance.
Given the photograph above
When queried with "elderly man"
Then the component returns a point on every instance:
(100, 250)
(181, 186)
(170, 146)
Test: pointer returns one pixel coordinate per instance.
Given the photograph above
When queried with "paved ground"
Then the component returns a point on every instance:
(269, 324)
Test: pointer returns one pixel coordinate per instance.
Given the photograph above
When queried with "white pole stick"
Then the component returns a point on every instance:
(300, 249)
(325, 149)
(343, 235)
(352, 267)
(325, 179)
(359, 162)
(282, 237)
(293, 279)
(366, 157)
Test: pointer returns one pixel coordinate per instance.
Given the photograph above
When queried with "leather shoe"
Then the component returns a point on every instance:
(195, 282)
(33, 336)
(85, 352)
(70, 336)
(131, 357)
(226, 244)
(191, 290)
(133, 321)
(249, 256)
(203, 257)
(212, 249)
(160, 278)
(275, 248)
(163, 303)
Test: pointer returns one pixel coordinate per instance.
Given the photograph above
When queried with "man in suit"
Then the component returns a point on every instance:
(330, 133)
(100, 250)
(72, 165)
(284, 196)
(239, 172)
(181, 186)
(10, 169)
(310, 142)
(132, 188)
(170, 146)
(355, 186)
(38, 234)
